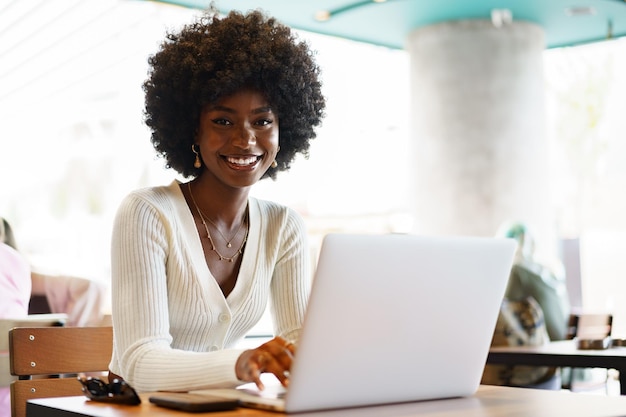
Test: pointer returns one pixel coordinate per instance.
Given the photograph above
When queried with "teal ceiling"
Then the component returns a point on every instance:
(388, 23)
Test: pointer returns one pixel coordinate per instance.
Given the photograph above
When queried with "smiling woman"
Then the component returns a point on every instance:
(221, 95)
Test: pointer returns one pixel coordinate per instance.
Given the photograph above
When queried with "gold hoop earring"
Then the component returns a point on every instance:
(197, 163)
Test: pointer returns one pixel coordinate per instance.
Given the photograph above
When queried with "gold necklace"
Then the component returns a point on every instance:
(228, 241)
(213, 248)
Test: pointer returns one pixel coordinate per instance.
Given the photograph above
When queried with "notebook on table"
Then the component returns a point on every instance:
(394, 318)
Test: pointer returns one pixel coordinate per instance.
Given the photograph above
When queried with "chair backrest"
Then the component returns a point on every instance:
(47, 360)
(6, 324)
(590, 326)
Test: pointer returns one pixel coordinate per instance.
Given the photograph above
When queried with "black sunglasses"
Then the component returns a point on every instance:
(118, 391)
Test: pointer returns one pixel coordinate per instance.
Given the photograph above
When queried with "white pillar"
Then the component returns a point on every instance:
(478, 139)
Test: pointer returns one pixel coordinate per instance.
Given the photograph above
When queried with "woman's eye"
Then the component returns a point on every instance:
(222, 121)
(264, 122)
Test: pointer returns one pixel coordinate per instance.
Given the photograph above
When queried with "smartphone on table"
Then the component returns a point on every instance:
(193, 402)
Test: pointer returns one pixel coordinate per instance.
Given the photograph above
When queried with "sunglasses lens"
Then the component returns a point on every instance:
(95, 387)
(117, 387)
(117, 391)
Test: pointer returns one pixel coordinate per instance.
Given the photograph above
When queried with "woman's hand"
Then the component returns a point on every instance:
(274, 357)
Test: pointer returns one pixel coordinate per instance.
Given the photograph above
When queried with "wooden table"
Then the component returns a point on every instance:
(489, 401)
(562, 354)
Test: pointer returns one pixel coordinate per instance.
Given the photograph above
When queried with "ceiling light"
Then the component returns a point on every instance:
(324, 15)
(501, 17)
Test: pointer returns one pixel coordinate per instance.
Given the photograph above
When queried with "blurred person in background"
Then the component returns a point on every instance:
(15, 290)
(15, 280)
(535, 310)
(532, 277)
(83, 300)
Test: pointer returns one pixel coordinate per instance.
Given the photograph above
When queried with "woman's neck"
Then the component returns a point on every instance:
(223, 205)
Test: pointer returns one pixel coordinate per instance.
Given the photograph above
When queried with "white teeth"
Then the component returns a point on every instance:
(242, 161)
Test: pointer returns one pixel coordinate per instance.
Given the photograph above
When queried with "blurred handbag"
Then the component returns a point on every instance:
(520, 323)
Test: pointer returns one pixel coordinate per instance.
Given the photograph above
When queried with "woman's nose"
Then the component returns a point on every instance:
(244, 138)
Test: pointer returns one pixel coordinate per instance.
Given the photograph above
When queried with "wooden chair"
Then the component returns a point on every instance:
(33, 320)
(47, 360)
(591, 331)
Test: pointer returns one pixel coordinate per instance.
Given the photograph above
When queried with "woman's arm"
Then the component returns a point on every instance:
(291, 282)
(146, 265)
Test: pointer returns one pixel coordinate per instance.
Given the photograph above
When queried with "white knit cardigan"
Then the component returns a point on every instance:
(173, 328)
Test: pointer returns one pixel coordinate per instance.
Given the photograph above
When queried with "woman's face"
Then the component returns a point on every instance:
(238, 138)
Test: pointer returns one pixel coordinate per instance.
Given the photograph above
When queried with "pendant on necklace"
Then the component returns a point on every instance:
(228, 245)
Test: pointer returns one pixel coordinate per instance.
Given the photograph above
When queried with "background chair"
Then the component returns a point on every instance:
(43, 320)
(47, 360)
(591, 331)
(590, 326)
(35, 320)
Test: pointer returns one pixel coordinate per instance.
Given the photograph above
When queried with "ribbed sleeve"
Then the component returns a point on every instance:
(173, 328)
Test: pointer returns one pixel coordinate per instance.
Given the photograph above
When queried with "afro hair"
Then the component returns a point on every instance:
(215, 56)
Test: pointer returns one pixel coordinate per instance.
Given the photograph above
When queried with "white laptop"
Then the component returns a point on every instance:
(394, 318)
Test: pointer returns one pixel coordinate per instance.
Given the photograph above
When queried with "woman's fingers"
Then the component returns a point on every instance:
(257, 369)
(279, 359)
(273, 357)
(249, 367)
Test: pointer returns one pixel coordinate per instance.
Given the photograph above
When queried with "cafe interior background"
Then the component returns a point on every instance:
(72, 141)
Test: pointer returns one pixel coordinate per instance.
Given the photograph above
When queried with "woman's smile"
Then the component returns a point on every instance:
(244, 162)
